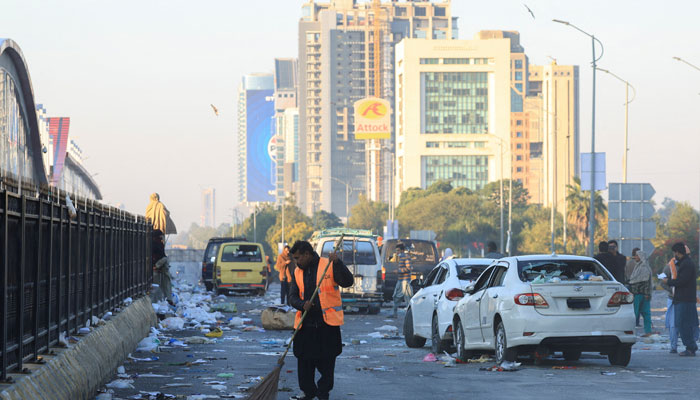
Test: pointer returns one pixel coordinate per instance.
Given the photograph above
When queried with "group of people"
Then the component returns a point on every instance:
(636, 273)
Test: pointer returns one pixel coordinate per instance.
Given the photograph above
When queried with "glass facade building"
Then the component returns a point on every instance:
(470, 171)
(454, 102)
(15, 153)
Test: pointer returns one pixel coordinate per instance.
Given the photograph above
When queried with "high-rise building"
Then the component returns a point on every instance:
(452, 112)
(286, 127)
(338, 65)
(208, 215)
(256, 150)
(553, 133)
(59, 128)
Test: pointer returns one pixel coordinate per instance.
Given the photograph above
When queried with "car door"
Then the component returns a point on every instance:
(493, 294)
(472, 326)
(424, 303)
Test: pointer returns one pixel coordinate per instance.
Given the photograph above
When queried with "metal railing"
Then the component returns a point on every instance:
(58, 270)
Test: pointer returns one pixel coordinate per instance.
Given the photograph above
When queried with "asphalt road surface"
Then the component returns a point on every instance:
(376, 364)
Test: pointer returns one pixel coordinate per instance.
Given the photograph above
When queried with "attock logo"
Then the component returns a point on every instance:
(372, 109)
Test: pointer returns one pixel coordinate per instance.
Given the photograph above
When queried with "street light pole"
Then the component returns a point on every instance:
(347, 200)
(697, 68)
(627, 102)
(591, 216)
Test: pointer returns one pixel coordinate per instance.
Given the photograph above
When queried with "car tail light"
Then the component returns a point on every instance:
(620, 298)
(383, 274)
(531, 299)
(454, 294)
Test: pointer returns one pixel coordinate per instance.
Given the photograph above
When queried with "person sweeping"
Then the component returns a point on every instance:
(318, 341)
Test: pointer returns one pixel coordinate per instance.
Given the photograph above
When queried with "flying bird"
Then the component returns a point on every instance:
(530, 11)
(216, 110)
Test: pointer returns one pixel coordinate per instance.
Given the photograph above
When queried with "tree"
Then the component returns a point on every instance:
(324, 220)
(368, 214)
(266, 216)
(681, 226)
(578, 216)
(492, 191)
(292, 217)
(536, 234)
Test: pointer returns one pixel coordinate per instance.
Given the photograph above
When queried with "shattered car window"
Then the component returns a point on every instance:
(553, 271)
(470, 272)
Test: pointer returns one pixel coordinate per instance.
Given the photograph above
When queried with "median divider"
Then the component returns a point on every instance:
(78, 371)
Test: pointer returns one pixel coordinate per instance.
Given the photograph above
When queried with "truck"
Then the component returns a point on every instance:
(360, 253)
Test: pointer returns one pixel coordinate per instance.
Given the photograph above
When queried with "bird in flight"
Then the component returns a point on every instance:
(216, 110)
(530, 11)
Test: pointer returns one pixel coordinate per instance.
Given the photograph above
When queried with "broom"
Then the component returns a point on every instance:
(267, 388)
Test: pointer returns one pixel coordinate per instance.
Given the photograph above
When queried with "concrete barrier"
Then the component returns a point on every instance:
(77, 372)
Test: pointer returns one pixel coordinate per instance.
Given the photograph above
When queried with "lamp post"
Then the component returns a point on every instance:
(510, 195)
(348, 189)
(697, 68)
(591, 216)
(627, 102)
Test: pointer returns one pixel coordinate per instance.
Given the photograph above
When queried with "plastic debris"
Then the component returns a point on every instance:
(253, 328)
(238, 321)
(225, 375)
(176, 323)
(176, 343)
(497, 368)
(430, 357)
(121, 384)
(389, 328)
(608, 373)
(128, 301)
(121, 369)
(484, 358)
(225, 307)
(84, 331)
(198, 340)
(146, 359)
(149, 343)
(217, 332)
(62, 340)
(510, 365)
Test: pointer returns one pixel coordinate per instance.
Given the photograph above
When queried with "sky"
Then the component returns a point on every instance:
(137, 78)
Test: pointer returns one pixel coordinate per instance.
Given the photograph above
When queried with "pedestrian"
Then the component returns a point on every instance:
(619, 261)
(640, 286)
(284, 267)
(629, 267)
(318, 341)
(492, 251)
(604, 257)
(447, 254)
(670, 271)
(402, 290)
(684, 298)
(161, 266)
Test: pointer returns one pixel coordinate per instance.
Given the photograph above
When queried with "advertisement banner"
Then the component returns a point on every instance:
(372, 119)
(259, 114)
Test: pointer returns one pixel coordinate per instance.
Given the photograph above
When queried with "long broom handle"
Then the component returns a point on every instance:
(313, 297)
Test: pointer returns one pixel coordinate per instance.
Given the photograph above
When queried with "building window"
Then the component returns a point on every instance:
(519, 122)
(479, 145)
(419, 11)
(519, 146)
(519, 169)
(518, 64)
(439, 34)
(400, 11)
(457, 145)
(429, 60)
(419, 34)
(454, 102)
(519, 87)
(516, 101)
(518, 158)
(439, 11)
(518, 75)
(519, 134)
(455, 61)
(462, 171)
(432, 145)
(15, 154)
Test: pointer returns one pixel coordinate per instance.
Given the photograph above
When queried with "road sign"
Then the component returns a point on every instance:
(630, 213)
(599, 171)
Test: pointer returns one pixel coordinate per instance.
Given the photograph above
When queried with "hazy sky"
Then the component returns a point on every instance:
(137, 77)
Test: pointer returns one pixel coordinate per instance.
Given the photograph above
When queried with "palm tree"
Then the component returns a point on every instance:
(578, 214)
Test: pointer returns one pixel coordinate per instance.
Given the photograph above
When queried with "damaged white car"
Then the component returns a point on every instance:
(546, 303)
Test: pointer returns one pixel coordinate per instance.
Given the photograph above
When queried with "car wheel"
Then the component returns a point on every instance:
(412, 341)
(572, 355)
(620, 356)
(436, 342)
(460, 342)
(373, 309)
(503, 353)
(208, 286)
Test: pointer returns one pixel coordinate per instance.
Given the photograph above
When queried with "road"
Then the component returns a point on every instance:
(378, 367)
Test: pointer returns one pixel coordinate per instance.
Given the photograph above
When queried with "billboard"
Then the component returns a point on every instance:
(259, 163)
(372, 119)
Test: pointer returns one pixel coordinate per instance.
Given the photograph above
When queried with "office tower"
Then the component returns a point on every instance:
(58, 134)
(553, 131)
(452, 112)
(346, 55)
(255, 151)
(208, 215)
(286, 127)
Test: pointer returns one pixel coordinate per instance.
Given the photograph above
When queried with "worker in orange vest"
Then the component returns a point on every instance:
(318, 342)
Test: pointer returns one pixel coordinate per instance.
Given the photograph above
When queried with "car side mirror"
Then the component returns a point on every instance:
(469, 289)
(213, 259)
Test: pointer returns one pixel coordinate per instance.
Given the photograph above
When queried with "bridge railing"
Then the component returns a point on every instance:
(58, 270)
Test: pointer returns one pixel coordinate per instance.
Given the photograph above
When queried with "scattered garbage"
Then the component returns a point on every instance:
(484, 358)
(510, 365)
(563, 367)
(198, 340)
(146, 359)
(390, 328)
(128, 301)
(149, 344)
(121, 369)
(430, 357)
(225, 375)
(608, 373)
(121, 384)
(224, 307)
(84, 331)
(376, 335)
(175, 323)
(238, 321)
(216, 333)
(253, 329)
(278, 318)
(62, 340)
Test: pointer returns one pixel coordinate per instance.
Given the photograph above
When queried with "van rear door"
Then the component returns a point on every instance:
(240, 263)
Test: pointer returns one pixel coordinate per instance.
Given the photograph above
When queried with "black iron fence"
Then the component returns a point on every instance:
(58, 269)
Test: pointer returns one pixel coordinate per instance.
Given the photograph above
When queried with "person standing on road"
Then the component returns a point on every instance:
(402, 290)
(161, 266)
(670, 270)
(604, 257)
(640, 286)
(318, 342)
(629, 268)
(492, 251)
(284, 267)
(619, 261)
(684, 298)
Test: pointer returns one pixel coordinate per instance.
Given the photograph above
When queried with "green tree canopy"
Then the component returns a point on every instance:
(324, 220)
(368, 214)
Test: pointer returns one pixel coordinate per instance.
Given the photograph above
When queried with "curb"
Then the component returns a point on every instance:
(78, 371)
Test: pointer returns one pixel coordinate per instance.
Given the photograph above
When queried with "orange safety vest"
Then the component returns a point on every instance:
(328, 294)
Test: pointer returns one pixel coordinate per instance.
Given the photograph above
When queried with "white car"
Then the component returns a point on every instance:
(429, 313)
(542, 304)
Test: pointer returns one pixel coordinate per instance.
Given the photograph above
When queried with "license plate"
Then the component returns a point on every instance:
(241, 274)
(578, 304)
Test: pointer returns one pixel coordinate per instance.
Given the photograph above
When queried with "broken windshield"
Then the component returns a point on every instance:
(545, 271)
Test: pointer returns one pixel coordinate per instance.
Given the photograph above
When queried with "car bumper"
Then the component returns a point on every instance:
(581, 331)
